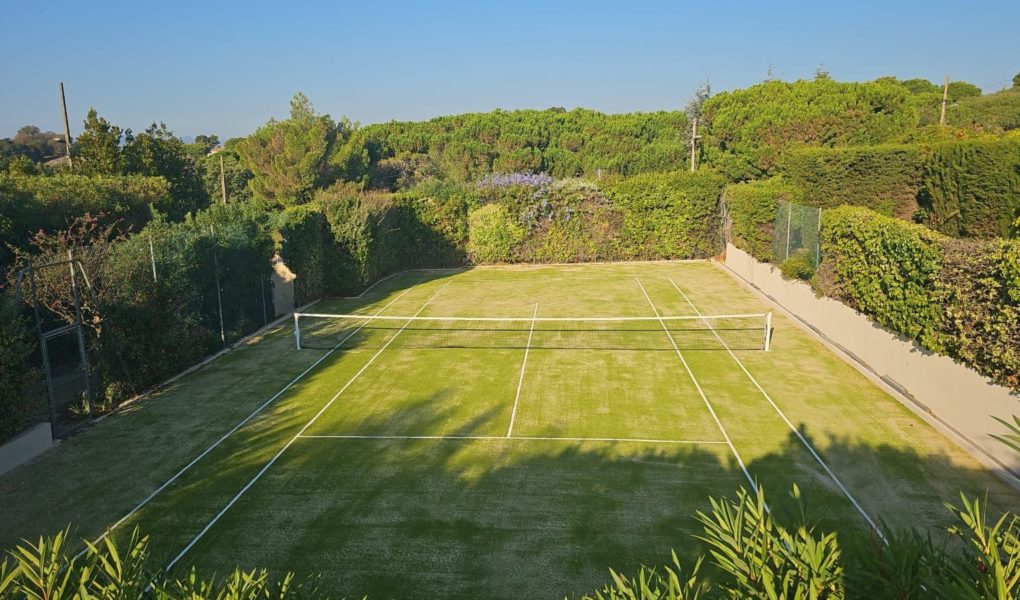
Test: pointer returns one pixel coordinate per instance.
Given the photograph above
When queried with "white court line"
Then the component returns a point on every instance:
(516, 438)
(226, 435)
(789, 424)
(701, 392)
(520, 380)
(276, 457)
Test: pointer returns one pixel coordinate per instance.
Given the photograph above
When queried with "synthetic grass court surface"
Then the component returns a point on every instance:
(406, 483)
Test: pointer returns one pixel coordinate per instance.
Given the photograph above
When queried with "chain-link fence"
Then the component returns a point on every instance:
(797, 233)
(113, 319)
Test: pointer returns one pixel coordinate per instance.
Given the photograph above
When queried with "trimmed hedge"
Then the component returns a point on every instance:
(972, 188)
(306, 245)
(960, 298)
(17, 347)
(884, 178)
(751, 213)
(669, 215)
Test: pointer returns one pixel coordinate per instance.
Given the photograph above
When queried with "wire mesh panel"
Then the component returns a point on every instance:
(718, 332)
(68, 379)
(796, 231)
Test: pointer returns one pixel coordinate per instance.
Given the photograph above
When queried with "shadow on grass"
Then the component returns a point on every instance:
(528, 518)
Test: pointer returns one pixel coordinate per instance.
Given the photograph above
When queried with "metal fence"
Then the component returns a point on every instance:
(797, 230)
(93, 309)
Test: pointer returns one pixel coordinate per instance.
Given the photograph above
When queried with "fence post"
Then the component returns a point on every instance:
(43, 348)
(81, 333)
(768, 331)
(297, 331)
(818, 240)
(152, 259)
(262, 289)
(789, 221)
(219, 296)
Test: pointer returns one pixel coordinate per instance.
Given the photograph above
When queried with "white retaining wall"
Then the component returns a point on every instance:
(25, 447)
(953, 398)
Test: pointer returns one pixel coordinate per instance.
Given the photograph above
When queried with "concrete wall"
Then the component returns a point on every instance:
(25, 447)
(953, 398)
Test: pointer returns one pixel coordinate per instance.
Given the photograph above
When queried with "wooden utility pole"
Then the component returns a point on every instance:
(694, 144)
(945, 98)
(223, 180)
(67, 128)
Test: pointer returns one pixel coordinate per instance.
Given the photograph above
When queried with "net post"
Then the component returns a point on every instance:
(297, 331)
(768, 331)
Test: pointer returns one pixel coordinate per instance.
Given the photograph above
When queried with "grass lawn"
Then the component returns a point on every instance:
(397, 469)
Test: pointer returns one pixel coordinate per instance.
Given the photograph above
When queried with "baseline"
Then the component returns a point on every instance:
(501, 438)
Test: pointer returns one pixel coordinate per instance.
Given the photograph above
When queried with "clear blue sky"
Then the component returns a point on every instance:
(222, 67)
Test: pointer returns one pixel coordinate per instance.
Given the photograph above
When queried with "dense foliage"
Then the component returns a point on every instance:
(561, 143)
(46, 203)
(290, 159)
(960, 298)
(749, 130)
(885, 178)
(751, 212)
(17, 347)
(972, 188)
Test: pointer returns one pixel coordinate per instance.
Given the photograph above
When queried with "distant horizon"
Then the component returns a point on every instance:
(420, 62)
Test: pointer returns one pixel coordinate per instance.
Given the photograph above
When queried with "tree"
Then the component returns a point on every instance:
(961, 89)
(158, 152)
(235, 176)
(98, 147)
(207, 142)
(1016, 81)
(291, 158)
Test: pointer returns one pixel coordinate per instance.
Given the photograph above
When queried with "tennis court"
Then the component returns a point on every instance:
(527, 429)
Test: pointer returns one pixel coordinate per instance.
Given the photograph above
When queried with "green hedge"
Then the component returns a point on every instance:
(307, 246)
(956, 297)
(669, 215)
(18, 408)
(884, 178)
(492, 234)
(972, 188)
(751, 213)
(228, 246)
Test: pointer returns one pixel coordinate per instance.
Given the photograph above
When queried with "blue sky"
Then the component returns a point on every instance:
(226, 67)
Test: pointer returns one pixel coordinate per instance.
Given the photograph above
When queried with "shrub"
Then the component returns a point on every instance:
(979, 291)
(960, 298)
(669, 215)
(884, 178)
(884, 267)
(751, 212)
(492, 234)
(801, 265)
(307, 246)
(748, 131)
(972, 188)
(17, 347)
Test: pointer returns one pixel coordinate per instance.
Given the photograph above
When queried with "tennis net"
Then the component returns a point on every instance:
(709, 332)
